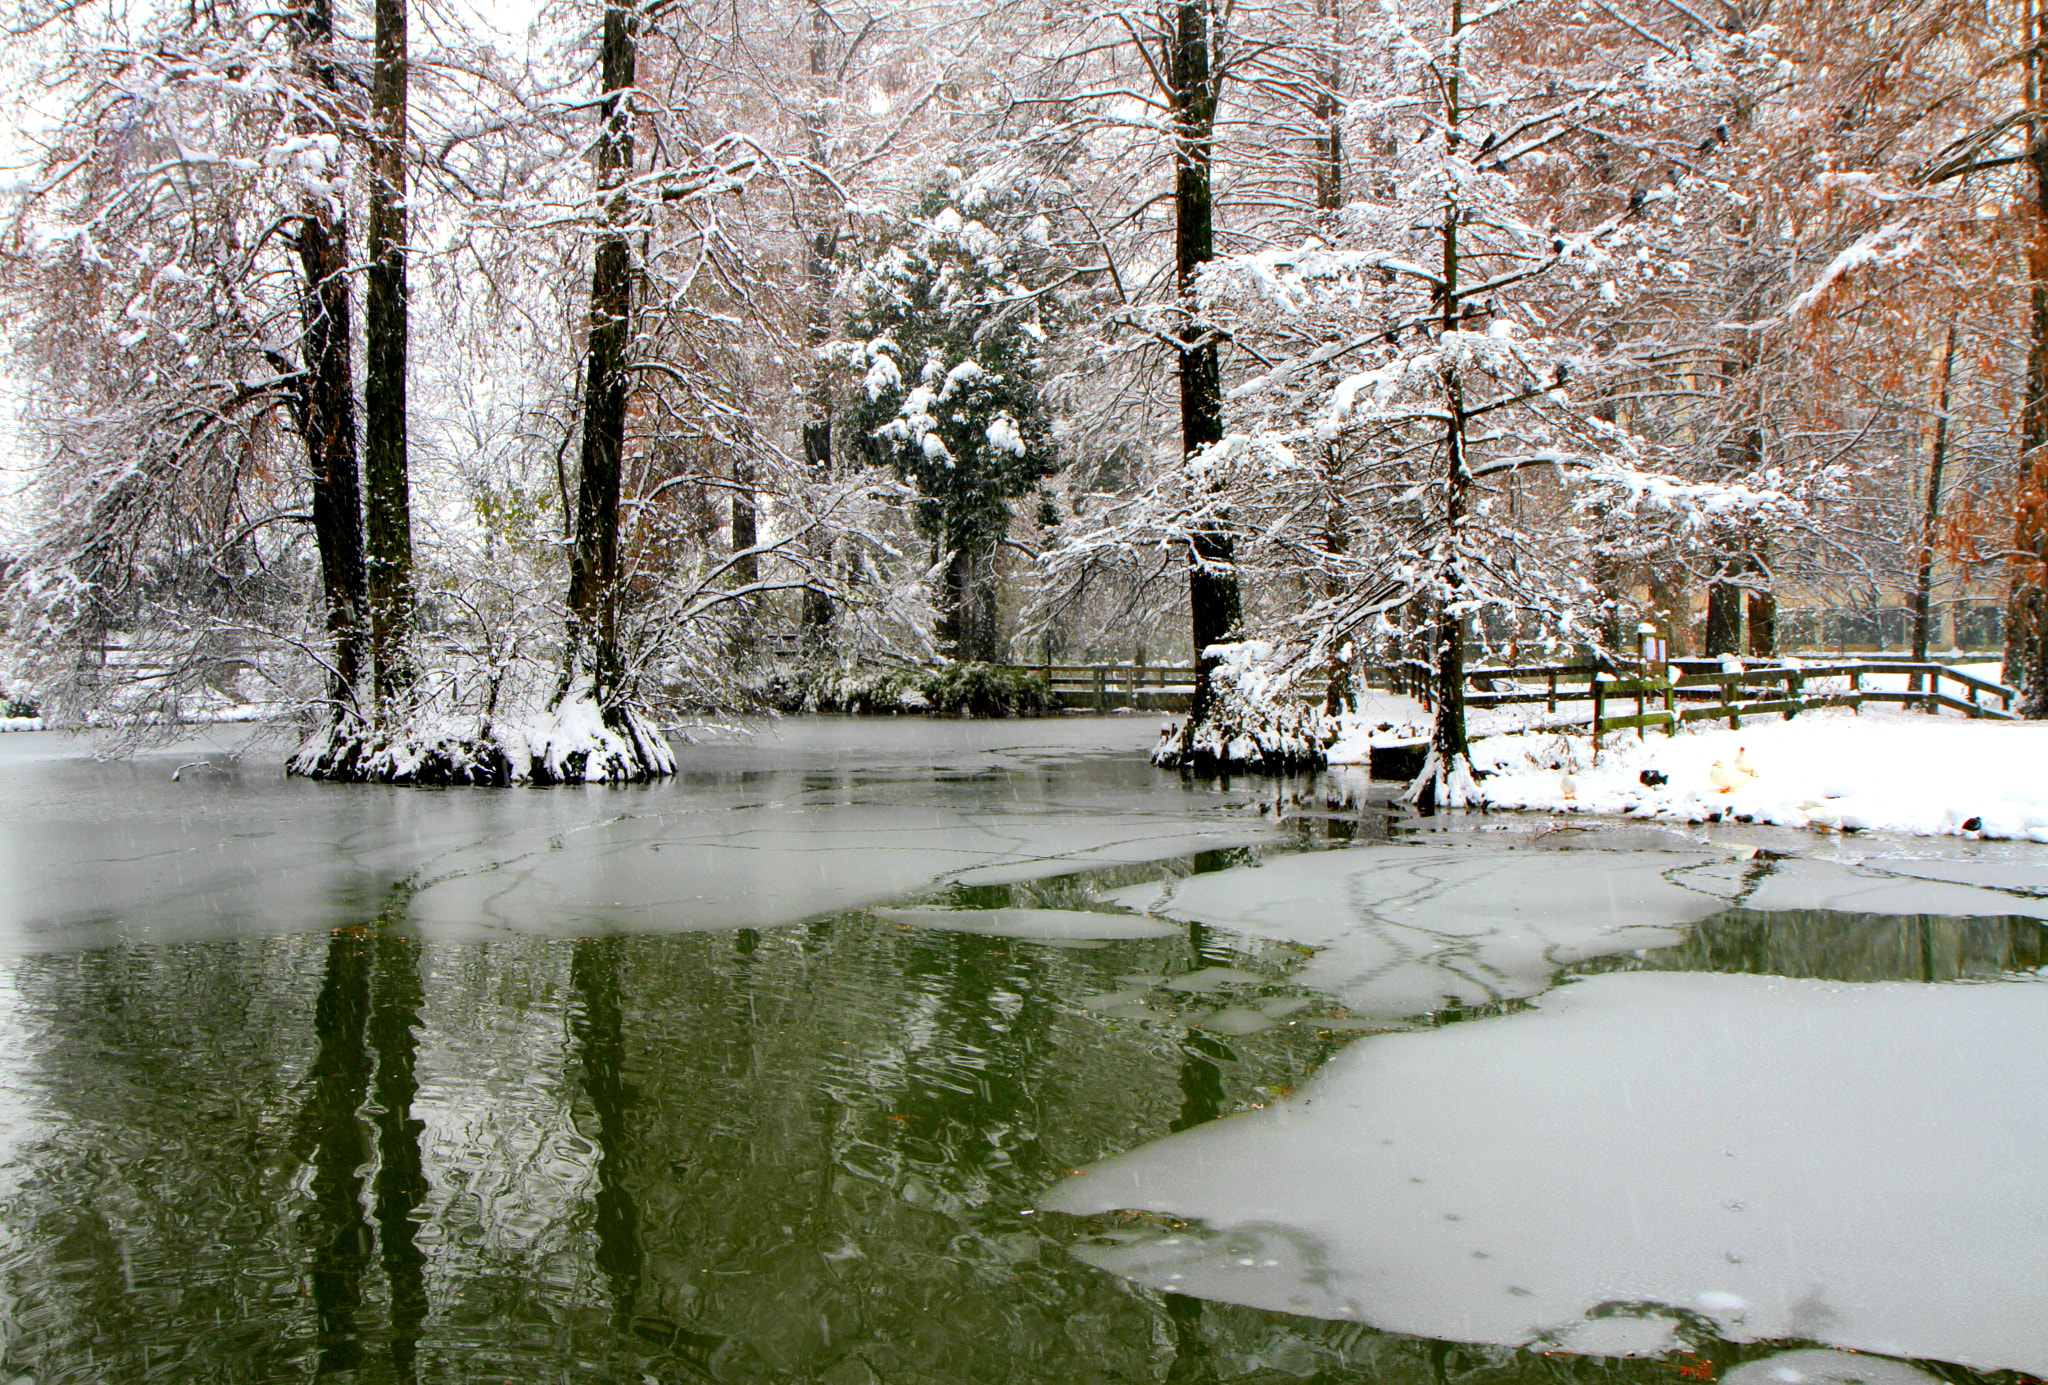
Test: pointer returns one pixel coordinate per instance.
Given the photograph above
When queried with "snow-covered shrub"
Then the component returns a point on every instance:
(1250, 725)
(861, 691)
(987, 690)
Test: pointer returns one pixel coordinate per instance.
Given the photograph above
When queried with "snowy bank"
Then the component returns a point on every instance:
(1874, 771)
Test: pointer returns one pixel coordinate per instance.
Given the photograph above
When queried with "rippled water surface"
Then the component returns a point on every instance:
(630, 1085)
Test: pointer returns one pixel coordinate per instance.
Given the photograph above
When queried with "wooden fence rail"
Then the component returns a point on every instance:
(1703, 690)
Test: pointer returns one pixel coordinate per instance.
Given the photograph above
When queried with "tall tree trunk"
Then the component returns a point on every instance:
(1215, 606)
(326, 394)
(387, 500)
(1328, 114)
(2026, 639)
(746, 533)
(1763, 619)
(1930, 515)
(820, 234)
(1450, 751)
(1339, 692)
(1724, 614)
(967, 626)
(593, 654)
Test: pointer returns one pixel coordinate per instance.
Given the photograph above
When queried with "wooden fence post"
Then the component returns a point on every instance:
(1101, 688)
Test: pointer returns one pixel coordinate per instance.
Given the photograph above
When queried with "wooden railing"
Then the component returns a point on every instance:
(1107, 686)
(1617, 694)
(1704, 691)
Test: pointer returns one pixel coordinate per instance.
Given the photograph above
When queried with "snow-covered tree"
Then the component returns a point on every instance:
(949, 341)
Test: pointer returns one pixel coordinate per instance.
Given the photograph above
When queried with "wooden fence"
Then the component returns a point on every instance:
(1704, 691)
(1617, 695)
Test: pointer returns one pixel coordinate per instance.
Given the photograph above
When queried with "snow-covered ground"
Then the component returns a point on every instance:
(1878, 770)
(1883, 769)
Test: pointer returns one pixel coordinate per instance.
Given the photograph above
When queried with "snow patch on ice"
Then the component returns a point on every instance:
(1408, 930)
(1847, 1163)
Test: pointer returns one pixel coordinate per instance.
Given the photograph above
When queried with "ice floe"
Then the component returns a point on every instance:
(1407, 930)
(1847, 1164)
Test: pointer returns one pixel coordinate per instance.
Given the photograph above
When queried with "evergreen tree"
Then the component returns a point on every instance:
(950, 336)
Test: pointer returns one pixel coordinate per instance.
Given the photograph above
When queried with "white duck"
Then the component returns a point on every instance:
(1729, 777)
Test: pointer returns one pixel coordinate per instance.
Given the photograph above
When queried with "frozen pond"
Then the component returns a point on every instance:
(782, 1072)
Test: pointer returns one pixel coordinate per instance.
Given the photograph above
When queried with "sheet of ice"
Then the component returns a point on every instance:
(1812, 1367)
(1032, 923)
(1407, 930)
(811, 816)
(1880, 887)
(1878, 771)
(2027, 875)
(1850, 1164)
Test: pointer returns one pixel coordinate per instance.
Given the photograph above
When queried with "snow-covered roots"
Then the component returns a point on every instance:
(1445, 782)
(574, 742)
(1248, 727)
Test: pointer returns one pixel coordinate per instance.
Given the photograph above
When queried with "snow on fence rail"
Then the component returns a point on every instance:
(1706, 690)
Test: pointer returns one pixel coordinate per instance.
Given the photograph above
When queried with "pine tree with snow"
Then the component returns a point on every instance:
(949, 340)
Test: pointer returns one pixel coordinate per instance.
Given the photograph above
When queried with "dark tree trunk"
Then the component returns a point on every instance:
(2026, 649)
(820, 234)
(1724, 617)
(1763, 623)
(1450, 749)
(1671, 600)
(967, 629)
(1930, 516)
(1214, 605)
(387, 499)
(593, 653)
(1339, 693)
(746, 532)
(326, 395)
(1328, 114)
(817, 606)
